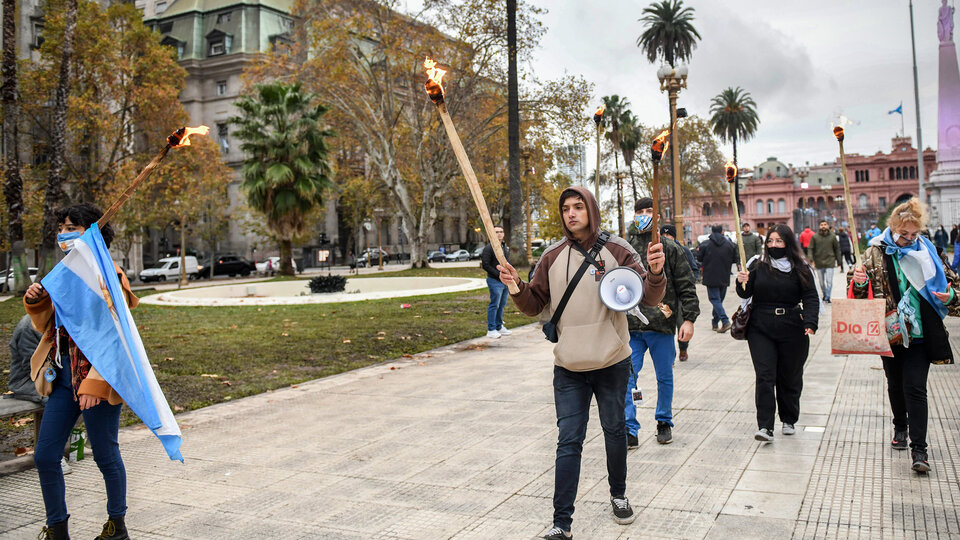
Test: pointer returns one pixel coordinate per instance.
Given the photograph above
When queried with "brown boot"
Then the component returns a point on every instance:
(114, 529)
(57, 531)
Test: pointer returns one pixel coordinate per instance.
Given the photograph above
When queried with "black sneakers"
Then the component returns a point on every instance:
(664, 433)
(622, 512)
(114, 529)
(632, 441)
(899, 441)
(920, 463)
(556, 533)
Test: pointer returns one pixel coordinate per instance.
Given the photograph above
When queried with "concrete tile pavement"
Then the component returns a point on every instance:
(459, 443)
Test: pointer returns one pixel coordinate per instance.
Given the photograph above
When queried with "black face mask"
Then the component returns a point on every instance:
(777, 252)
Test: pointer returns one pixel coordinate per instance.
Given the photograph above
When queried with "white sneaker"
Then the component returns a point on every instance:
(64, 466)
(789, 429)
(493, 334)
(504, 331)
(764, 435)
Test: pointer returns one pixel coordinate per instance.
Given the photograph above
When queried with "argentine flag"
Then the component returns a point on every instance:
(89, 302)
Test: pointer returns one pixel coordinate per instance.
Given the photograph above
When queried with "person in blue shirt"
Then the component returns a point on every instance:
(872, 232)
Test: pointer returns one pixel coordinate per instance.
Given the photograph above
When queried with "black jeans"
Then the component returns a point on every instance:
(572, 393)
(906, 375)
(779, 350)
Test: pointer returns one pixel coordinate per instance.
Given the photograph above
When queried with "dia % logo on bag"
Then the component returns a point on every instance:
(873, 328)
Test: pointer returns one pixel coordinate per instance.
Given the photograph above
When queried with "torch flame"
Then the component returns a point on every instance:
(660, 144)
(435, 75)
(731, 171)
(181, 137)
(598, 116)
(838, 132)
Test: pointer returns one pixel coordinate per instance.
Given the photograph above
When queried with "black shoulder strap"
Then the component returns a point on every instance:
(588, 259)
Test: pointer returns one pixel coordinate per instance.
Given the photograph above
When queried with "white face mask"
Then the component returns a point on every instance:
(66, 240)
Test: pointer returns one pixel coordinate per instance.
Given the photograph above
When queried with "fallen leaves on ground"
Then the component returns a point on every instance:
(22, 451)
(22, 422)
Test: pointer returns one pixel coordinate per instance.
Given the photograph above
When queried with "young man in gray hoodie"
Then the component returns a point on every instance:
(592, 354)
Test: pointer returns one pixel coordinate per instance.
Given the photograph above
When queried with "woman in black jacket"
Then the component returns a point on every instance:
(845, 248)
(779, 328)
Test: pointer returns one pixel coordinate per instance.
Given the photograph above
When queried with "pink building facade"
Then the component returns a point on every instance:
(772, 192)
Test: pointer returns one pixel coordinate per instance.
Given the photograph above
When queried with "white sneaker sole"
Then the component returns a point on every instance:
(625, 521)
(762, 437)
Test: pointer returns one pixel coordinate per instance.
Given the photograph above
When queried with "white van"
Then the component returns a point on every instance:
(169, 268)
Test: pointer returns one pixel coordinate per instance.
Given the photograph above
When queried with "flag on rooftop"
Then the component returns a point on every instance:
(898, 110)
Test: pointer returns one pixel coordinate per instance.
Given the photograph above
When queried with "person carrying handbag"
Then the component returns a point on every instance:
(784, 314)
(920, 289)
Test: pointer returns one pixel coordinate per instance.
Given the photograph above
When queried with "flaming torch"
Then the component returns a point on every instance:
(657, 150)
(434, 89)
(855, 240)
(598, 119)
(731, 171)
(177, 139)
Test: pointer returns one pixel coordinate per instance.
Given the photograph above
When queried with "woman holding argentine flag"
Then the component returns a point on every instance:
(920, 289)
(61, 370)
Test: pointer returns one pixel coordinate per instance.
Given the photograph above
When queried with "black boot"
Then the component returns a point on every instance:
(114, 529)
(920, 463)
(57, 531)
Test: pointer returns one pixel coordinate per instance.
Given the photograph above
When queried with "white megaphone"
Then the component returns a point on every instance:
(621, 289)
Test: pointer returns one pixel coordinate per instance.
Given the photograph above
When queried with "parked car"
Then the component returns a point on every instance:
(31, 270)
(270, 269)
(458, 255)
(436, 256)
(475, 254)
(230, 265)
(372, 256)
(169, 268)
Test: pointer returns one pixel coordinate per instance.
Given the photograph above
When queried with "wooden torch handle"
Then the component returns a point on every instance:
(736, 219)
(655, 195)
(855, 240)
(474, 185)
(128, 192)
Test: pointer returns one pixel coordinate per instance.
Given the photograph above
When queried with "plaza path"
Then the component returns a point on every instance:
(459, 443)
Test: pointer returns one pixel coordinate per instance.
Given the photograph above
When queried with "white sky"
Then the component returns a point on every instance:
(803, 61)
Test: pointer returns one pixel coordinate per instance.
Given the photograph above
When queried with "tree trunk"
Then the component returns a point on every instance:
(514, 230)
(54, 192)
(13, 184)
(286, 255)
(616, 177)
(633, 182)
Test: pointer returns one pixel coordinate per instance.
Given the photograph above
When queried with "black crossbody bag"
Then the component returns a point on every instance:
(550, 327)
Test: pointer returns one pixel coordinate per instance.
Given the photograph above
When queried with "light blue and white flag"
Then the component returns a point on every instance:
(89, 302)
(898, 110)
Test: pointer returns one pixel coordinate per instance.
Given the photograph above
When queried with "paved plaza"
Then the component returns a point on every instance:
(459, 443)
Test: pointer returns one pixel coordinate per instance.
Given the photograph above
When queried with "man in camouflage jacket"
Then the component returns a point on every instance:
(679, 300)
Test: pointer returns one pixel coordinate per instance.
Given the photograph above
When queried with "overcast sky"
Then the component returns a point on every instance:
(803, 61)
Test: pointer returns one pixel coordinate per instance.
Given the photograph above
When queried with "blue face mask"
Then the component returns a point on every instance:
(642, 222)
(66, 240)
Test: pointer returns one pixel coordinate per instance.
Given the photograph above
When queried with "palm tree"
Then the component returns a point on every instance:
(669, 33)
(734, 116)
(631, 135)
(287, 168)
(616, 108)
(514, 232)
(13, 185)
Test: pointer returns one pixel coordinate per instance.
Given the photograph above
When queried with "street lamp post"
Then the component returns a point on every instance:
(803, 173)
(378, 213)
(672, 80)
(526, 153)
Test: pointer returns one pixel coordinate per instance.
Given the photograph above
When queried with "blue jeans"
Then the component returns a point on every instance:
(572, 393)
(825, 275)
(498, 301)
(663, 352)
(716, 296)
(102, 423)
(956, 256)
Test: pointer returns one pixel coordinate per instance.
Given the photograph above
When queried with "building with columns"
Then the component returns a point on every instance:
(773, 192)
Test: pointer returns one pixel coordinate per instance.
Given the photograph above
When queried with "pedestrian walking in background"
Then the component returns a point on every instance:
(669, 233)
(592, 352)
(784, 314)
(805, 237)
(940, 238)
(824, 253)
(846, 253)
(717, 254)
(920, 288)
(953, 235)
(752, 245)
(872, 232)
(656, 335)
(498, 291)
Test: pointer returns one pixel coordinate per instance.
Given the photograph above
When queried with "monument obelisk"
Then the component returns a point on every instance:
(945, 181)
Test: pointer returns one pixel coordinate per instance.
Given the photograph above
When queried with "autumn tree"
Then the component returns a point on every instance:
(13, 184)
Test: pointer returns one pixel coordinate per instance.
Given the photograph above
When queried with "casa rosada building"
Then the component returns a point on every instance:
(773, 192)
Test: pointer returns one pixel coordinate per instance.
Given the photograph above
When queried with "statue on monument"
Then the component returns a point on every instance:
(945, 23)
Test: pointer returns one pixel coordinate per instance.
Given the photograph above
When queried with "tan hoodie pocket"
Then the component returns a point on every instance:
(588, 347)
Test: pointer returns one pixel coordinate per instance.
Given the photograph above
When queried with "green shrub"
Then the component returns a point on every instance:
(325, 284)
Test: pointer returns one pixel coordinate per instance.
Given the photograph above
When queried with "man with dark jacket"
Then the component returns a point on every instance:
(669, 234)
(846, 253)
(717, 254)
(22, 345)
(592, 354)
(825, 255)
(498, 291)
(752, 245)
(679, 297)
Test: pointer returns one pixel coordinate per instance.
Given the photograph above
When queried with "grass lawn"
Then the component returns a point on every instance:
(207, 355)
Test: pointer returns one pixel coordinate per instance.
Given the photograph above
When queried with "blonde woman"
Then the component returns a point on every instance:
(920, 289)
